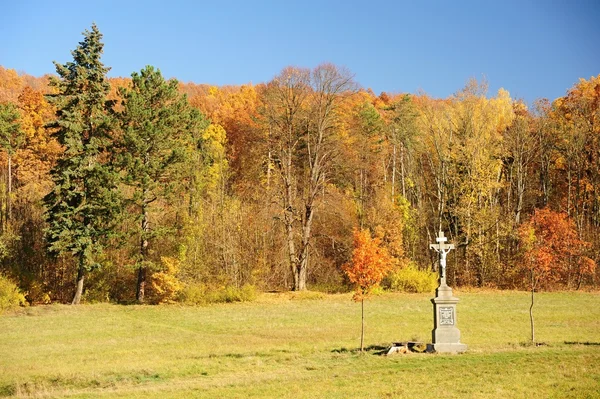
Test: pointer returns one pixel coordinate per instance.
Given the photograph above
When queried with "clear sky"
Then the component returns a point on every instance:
(532, 49)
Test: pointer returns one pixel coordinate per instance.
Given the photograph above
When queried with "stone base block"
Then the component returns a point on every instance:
(450, 348)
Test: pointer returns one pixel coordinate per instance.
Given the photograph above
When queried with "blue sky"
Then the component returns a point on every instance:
(533, 49)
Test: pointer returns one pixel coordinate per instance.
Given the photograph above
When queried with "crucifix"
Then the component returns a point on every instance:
(442, 248)
(445, 334)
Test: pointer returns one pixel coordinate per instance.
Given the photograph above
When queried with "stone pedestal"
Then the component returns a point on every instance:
(445, 334)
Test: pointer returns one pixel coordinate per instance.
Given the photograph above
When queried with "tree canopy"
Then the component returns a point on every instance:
(172, 190)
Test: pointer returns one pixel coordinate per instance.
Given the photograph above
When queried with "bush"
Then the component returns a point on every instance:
(306, 295)
(200, 294)
(10, 295)
(411, 279)
(165, 286)
(36, 294)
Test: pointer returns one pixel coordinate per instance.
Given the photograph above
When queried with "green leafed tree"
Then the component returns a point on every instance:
(81, 207)
(158, 127)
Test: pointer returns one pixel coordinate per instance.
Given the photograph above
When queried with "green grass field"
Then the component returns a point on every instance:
(294, 347)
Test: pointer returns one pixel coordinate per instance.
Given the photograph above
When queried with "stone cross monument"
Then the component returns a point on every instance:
(446, 336)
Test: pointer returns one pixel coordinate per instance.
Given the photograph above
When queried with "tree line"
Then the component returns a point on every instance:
(143, 189)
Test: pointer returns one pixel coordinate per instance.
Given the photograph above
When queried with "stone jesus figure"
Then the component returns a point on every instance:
(442, 248)
(443, 254)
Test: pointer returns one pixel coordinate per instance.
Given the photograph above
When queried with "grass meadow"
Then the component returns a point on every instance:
(303, 346)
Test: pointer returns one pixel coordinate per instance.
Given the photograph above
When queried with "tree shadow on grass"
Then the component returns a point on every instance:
(526, 344)
(586, 343)
(371, 349)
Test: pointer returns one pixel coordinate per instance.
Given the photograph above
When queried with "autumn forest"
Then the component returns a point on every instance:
(143, 189)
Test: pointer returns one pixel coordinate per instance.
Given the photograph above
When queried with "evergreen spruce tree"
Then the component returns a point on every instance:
(158, 128)
(83, 202)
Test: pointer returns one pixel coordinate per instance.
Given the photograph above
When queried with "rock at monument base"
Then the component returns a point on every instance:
(409, 347)
(449, 348)
(397, 349)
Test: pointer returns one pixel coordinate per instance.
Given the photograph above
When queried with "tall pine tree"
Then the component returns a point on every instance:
(157, 132)
(83, 202)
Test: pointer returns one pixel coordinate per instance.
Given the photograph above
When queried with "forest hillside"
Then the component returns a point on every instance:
(147, 189)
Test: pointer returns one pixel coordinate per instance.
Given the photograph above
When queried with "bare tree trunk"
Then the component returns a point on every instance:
(498, 257)
(269, 160)
(3, 223)
(289, 218)
(141, 285)
(394, 174)
(361, 200)
(269, 165)
(569, 191)
(80, 278)
(141, 278)
(303, 259)
(545, 178)
(520, 193)
(292, 255)
(531, 308)
(302, 274)
(8, 197)
(441, 190)
(362, 324)
(402, 170)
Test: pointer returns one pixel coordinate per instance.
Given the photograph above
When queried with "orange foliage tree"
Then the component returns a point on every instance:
(551, 251)
(41, 150)
(370, 263)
